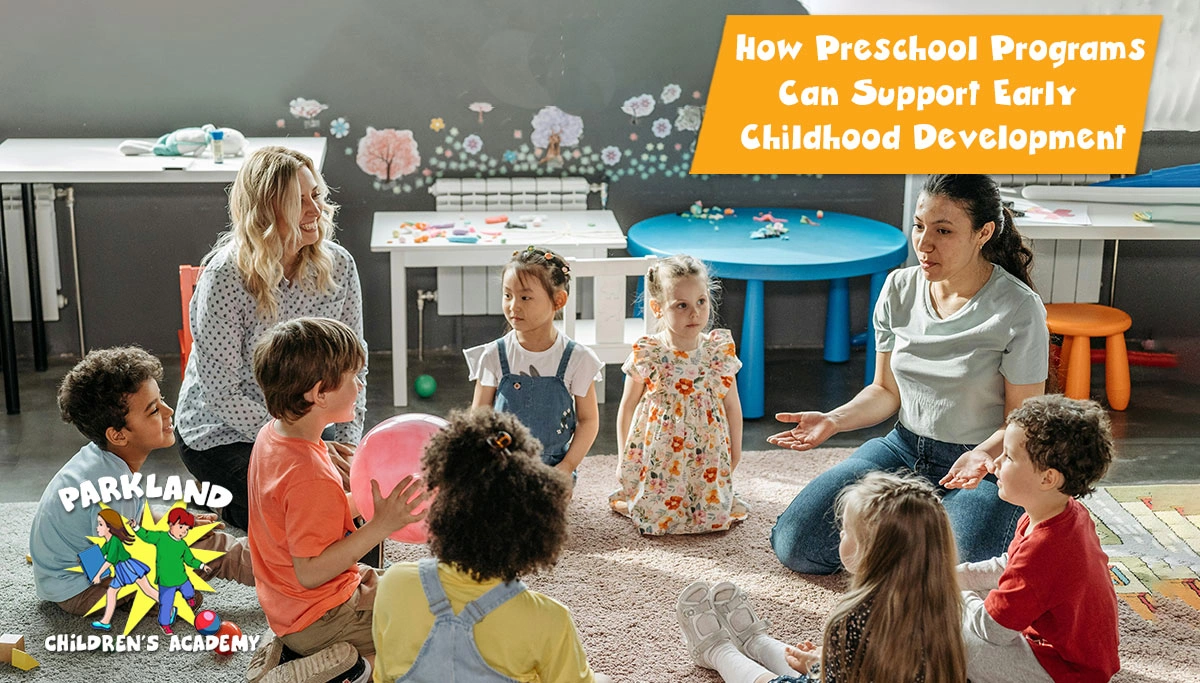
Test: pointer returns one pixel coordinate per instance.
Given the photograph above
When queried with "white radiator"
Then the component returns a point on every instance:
(1064, 271)
(47, 242)
(476, 290)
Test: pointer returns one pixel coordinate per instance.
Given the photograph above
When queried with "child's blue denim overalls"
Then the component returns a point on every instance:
(543, 404)
(449, 654)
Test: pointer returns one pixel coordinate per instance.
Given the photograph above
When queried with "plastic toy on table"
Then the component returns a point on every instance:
(711, 213)
(773, 230)
(768, 218)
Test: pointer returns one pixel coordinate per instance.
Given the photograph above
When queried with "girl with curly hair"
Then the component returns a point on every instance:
(535, 371)
(500, 512)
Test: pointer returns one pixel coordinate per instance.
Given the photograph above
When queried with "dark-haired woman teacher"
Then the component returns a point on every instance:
(962, 340)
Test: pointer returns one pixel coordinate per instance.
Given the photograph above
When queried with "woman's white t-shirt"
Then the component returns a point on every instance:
(951, 371)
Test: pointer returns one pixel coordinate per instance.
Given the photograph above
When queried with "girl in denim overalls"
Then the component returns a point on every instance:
(464, 614)
(535, 372)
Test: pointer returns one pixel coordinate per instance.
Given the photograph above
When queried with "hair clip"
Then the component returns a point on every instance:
(500, 441)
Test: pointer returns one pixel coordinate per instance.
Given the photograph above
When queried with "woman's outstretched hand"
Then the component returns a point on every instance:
(966, 472)
(811, 430)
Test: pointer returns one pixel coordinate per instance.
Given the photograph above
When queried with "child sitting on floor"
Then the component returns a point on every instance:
(112, 397)
(499, 513)
(317, 599)
(899, 622)
(1051, 612)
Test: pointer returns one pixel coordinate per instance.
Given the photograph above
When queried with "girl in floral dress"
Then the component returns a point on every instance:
(679, 425)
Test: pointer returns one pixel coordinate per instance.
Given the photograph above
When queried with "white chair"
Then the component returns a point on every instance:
(608, 332)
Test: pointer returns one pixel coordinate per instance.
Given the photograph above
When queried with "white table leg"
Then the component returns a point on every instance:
(399, 330)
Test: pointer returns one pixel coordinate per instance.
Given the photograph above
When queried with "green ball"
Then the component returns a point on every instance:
(425, 385)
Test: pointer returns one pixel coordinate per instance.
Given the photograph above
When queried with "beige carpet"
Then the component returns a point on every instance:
(620, 586)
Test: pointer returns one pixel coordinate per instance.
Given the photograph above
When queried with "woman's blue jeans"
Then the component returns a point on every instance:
(805, 537)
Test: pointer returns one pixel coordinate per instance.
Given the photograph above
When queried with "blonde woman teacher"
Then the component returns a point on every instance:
(277, 262)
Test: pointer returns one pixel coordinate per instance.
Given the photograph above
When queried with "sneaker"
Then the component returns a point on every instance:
(359, 673)
(321, 667)
(702, 628)
(266, 657)
(167, 630)
(736, 613)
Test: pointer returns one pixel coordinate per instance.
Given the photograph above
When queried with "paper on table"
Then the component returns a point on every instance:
(1053, 213)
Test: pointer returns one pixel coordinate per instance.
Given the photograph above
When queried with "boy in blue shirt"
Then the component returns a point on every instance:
(112, 397)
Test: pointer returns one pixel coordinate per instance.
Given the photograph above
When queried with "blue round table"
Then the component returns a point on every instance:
(840, 247)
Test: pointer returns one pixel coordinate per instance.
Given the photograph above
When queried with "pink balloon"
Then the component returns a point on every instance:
(387, 454)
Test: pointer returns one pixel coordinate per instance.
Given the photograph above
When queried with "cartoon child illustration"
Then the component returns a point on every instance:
(171, 554)
(126, 570)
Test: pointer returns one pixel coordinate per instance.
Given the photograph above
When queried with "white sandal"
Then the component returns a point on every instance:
(702, 627)
(736, 615)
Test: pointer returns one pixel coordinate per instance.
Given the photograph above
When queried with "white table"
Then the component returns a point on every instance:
(1079, 269)
(93, 160)
(583, 234)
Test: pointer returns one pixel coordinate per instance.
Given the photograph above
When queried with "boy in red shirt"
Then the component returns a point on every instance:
(318, 600)
(1051, 613)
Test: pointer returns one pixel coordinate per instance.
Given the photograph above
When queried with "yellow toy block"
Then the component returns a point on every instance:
(8, 643)
(23, 661)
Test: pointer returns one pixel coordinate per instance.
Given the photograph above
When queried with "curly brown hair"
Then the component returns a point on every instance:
(94, 395)
(499, 512)
(1071, 436)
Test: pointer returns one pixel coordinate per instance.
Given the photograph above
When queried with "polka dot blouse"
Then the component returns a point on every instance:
(220, 402)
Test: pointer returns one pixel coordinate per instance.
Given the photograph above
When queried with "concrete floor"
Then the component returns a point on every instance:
(1158, 436)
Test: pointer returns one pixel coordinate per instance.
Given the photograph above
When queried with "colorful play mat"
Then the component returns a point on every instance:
(1151, 534)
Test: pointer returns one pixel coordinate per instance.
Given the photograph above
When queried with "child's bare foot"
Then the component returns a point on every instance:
(620, 507)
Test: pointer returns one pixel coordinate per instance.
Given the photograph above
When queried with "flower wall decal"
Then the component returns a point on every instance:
(642, 105)
(481, 108)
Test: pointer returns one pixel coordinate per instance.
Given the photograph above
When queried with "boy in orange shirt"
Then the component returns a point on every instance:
(318, 600)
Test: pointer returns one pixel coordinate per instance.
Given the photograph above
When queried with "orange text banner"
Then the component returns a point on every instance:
(928, 94)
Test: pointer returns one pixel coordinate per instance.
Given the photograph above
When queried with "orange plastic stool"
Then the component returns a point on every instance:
(1078, 323)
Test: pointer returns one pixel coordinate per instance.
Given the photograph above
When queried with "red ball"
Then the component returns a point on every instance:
(207, 622)
(230, 629)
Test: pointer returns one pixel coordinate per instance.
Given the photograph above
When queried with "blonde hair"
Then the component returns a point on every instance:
(267, 186)
(907, 575)
(664, 271)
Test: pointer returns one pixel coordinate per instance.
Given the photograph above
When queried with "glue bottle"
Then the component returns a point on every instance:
(218, 146)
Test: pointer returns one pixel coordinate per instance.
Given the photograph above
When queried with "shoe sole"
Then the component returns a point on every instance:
(317, 668)
(265, 658)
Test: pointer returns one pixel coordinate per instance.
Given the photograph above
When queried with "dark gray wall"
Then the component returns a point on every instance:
(135, 68)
